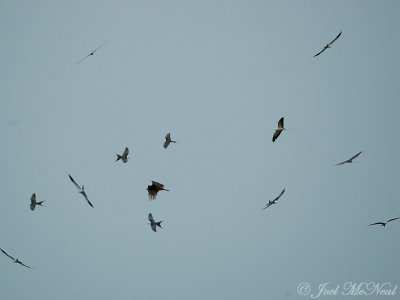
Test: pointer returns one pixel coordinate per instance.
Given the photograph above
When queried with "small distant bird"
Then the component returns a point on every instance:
(34, 203)
(153, 223)
(124, 156)
(80, 190)
(91, 53)
(278, 130)
(270, 202)
(328, 45)
(350, 160)
(15, 259)
(154, 188)
(168, 140)
(384, 223)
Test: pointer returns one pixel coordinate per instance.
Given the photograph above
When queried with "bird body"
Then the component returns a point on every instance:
(34, 202)
(124, 155)
(81, 190)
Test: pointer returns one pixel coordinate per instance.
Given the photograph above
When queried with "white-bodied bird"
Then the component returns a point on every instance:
(328, 45)
(80, 190)
(124, 155)
(15, 259)
(153, 223)
(279, 130)
(271, 202)
(34, 202)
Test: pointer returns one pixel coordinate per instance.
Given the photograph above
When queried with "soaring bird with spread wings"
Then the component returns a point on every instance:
(153, 223)
(81, 190)
(91, 53)
(350, 160)
(384, 223)
(15, 259)
(154, 188)
(34, 202)
(124, 155)
(168, 140)
(328, 45)
(279, 130)
(271, 202)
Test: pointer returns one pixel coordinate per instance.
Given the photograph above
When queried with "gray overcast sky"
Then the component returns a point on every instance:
(218, 75)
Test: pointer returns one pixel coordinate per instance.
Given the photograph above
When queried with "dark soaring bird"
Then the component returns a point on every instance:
(271, 202)
(384, 223)
(124, 155)
(91, 53)
(80, 190)
(34, 202)
(279, 130)
(328, 45)
(154, 188)
(15, 259)
(350, 160)
(153, 223)
(168, 140)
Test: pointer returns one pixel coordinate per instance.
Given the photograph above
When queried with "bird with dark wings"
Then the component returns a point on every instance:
(124, 156)
(15, 260)
(271, 202)
(350, 160)
(154, 224)
(34, 202)
(154, 188)
(328, 45)
(91, 53)
(279, 130)
(168, 140)
(81, 190)
(384, 223)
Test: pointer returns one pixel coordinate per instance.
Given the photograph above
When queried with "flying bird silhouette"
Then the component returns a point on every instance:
(153, 223)
(91, 53)
(80, 190)
(328, 45)
(168, 140)
(15, 259)
(34, 202)
(350, 160)
(271, 202)
(279, 130)
(124, 155)
(154, 188)
(384, 223)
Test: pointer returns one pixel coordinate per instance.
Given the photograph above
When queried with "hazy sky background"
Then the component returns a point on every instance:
(218, 75)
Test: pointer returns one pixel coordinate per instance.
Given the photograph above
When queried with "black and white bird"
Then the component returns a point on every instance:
(350, 160)
(34, 202)
(154, 188)
(124, 155)
(91, 53)
(384, 223)
(328, 45)
(15, 260)
(81, 190)
(153, 223)
(279, 130)
(271, 202)
(168, 140)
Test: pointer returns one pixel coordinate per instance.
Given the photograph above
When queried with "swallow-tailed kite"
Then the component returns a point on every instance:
(91, 53)
(15, 259)
(350, 160)
(270, 202)
(328, 45)
(168, 140)
(384, 223)
(153, 223)
(34, 202)
(124, 155)
(80, 190)
(279, 130)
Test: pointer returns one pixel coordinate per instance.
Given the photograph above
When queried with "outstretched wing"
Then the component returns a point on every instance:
(91, 53)
(126, 152)
(335, 38)
(151, 218)
(86, 198)
(73, 181)
(377, 223)
(355, 155)
(321, 51)
(7, 254)
(276, 199)
(280, 123)
(276, 134)
(342, 163)
(392, 219)
(33, 198)
(83, 58)
(158, 185)
(268, 205)
(22, 264)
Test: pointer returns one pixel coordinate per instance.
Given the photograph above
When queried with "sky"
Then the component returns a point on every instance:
(217, 75)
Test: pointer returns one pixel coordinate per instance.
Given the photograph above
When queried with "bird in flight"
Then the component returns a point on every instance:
(270, 202)
(124, 156)
(350, 160)
(328, 45)
(154, 188)
(278, 130)
(91, 53)
(80, 190)
(34, 202)
(153, 223)
(168, 140)
(15, 259)
(384, 223)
